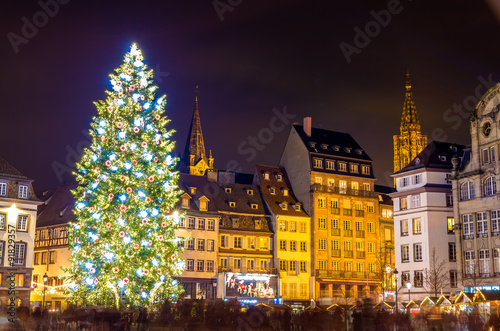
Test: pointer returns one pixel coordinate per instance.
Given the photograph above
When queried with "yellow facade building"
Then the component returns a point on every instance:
(410, 141)
(333, 177)
(291, 240)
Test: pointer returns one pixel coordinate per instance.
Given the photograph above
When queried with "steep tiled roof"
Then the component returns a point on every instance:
(57, 207)
(384, 192)
(7, 170)
(332, 143)
(202, 188)
(435, 155)
(275, 200)
(239, 194)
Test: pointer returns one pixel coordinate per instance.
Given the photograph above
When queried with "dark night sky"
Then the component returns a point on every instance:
(262, 55)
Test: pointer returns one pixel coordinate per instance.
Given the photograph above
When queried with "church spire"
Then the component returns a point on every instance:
(195, 157)
(410, 140)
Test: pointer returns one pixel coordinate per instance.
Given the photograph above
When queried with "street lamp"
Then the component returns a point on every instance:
(395, 272)
(408, 285)
(45, 278)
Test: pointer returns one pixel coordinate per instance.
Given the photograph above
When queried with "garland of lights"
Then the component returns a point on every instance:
(122, 243)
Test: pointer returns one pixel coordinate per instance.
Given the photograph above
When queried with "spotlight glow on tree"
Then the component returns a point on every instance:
(123, 243)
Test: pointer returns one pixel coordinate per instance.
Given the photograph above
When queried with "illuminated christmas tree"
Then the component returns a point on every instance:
(123, 247)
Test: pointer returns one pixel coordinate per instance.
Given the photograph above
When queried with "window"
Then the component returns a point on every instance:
(200, 265)
(210, 266)
(330, 165)
(232, 204)
(418, 278)
(355, 187)
(22, 223)
(404, 181)
(347, 266)
(19, 280)
(190, 244)
(371, 247)
(452, 253)
(372, 267)
(185, 202)
(303, 246)
(405, 278)
(303, 266)
(303, 227)
(495, 222)
(336, 244)
(203, 205)
(322, 202)
(293, 245)
(224, 241)
(318, 163)
(335, 223)
(237, 242)
(486, 155)
(336, 265)
(490, 186)
(52, 257)
(19, 253)
(417, 179)
(360, 246)
(254, 206)
(360, 267)
(469, 262)
(482, 225)
(370, 207)
(359, 226)
(263, 264)
(266, 175)
(272, 190)
(347, 225)
(415, 201)
(23, 191)
(354, 168)
(283, 245)
(283, 225)
(279, 177)
(417, 252)
(191, 222)
(250, 264)
(386, 213)
(405, 253)
(44, 257)
(211, 225)
(484, 262)
(3, 189)
(492, 154)
(322, 264)
(449, 200)
(453, 278)
(451, 225)
(293, 227)
(283, 265)
(318, 180)
(365, 169)
(3, 221)
(293, 266)
(36, 257)
(258, 224)
(237, 263)
(201, 224)
(263, 243)
(371, 227)
(468, 226)
(190, 265)
(417, 226)
(342, 186)
(201, 244)
(285, 192)
(223, 263)
(467, 191)
(210, 245)
(404, 203)
(236, 223)
(347, 245)
(297, 206)
(343, 166)
(404, 227)
(322, 223)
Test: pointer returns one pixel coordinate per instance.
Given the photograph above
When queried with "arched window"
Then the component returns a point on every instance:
(467, 191)
(490, 186)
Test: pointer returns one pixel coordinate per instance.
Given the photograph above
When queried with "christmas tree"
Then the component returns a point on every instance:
(123, 247)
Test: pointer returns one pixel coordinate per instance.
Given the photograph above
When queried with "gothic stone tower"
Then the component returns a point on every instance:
(410, 140)
(194, 160)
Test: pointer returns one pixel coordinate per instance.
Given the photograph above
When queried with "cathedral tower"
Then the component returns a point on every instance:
(410, 140)
(194, 160)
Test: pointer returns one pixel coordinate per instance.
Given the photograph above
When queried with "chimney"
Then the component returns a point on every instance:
(307, 126)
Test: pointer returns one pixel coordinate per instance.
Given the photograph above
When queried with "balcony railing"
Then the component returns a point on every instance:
(335, 211)
(347, 212)
(347, 233)
(360, 213)
(348, 275)
(360, 255)
(495, 233)
(482, 235)
(335, 232)
(335, 252)
(272, 271)
(360, 233)
(346, 191)
(469, 236)
(347, 253)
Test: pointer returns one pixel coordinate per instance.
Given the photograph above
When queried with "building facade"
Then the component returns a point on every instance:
(477, 203)
(333, 177)
(18, 217)
(424, 223)
(291, 240)
(410, 140)
(51, 251)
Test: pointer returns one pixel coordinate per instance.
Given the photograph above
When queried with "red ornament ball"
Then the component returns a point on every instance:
(131, 88)
(119, 125)
(157, 117)
(110, 109)
(115, 270)
(123, 208)
(163, 224)
(148, 199)
(151, 178)
(126, 281)
(144, 144)
(144, 221)
(136, 130)
(172, 257)
(111, 195)
(108, 163)
(136, 246)
(142, 98)
(108, 225)
(121, 234)
(123, 148)
(146, 272)
(129, 189)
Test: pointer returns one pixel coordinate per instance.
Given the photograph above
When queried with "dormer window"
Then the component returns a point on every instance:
(254, 206)
(347, 149)
(203, 203)
(324, 146)
(227, 190)
(185, 200)
(312, 144)
(266, 176)
(192, 190)
(417, 160)
(257, 224)
(236, 223)
(285, 192)
(336, 148)
(279, 177)
(317, 163)
(359, 151)
(297, 206)
(284, 206)
(272, 190)
(250, 192)
(232, 204)
(23, 192)
(442, 158)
